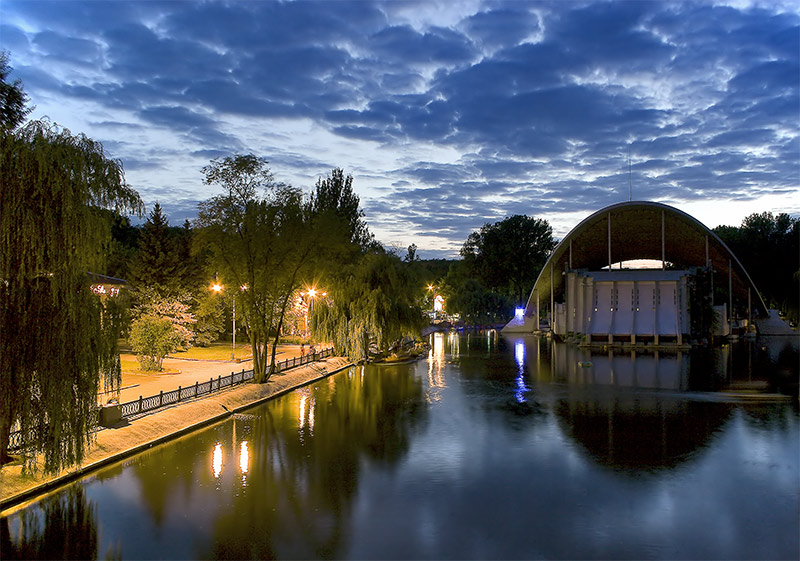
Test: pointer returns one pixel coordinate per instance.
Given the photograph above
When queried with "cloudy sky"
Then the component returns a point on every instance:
(448, 114)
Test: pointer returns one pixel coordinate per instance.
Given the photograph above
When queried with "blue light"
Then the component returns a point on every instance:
(519, 353)
(519, 356)
(519, 313)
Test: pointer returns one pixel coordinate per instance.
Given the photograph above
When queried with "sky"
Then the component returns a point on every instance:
(449, 115)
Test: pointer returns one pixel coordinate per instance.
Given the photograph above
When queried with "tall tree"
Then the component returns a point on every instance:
(769, 248)
(53, 347)
(259, 241)
(157, 264)
(507, 256)
(335, 202)
(466, 296)
(13, 99)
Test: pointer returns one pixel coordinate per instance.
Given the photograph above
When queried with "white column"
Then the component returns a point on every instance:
(663, 245)
(609, 241)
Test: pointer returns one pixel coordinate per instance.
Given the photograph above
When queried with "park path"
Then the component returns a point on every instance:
(184, 373)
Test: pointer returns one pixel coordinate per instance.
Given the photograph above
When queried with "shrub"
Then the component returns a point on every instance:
(152, 338)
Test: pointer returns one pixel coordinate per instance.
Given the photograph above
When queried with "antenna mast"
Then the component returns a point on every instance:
(630, 185)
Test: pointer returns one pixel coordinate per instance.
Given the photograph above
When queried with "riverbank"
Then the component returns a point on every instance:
(130, 437)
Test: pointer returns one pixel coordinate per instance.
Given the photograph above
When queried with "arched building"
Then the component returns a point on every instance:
(585, 287)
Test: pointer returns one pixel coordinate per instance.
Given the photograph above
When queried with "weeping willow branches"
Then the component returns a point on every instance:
(53, 346)
(372, 303)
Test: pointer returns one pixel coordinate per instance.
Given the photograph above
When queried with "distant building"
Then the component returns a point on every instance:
(105, 286)
(594, 284)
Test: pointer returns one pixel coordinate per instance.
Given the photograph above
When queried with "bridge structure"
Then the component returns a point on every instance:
(593, 284)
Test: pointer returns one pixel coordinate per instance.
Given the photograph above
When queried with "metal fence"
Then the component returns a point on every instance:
(163, 399)
(147, 404)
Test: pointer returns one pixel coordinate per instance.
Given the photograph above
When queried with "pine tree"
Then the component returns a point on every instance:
(157, 264)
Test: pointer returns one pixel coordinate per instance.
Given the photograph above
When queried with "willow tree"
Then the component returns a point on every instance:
(53, 345)
(373, 301)
(259, 241)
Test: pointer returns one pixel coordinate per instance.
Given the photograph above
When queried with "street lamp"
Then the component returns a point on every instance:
(311, 293)
(216, 287)
(438, 301)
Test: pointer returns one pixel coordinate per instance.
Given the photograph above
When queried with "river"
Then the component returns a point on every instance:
(489, 448)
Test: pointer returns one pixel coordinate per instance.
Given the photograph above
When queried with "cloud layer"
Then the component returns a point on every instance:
(448, 115)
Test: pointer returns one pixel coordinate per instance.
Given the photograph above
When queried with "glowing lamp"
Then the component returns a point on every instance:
(519, 313)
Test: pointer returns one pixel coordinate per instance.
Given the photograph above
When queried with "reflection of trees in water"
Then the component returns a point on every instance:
(770, 417)
(168, 470)
(640, 432)
(305, 460)
(63, 526)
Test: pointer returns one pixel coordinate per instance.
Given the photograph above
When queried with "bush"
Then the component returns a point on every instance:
(152, 338)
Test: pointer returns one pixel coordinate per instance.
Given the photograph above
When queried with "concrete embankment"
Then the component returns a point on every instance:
(128, 438)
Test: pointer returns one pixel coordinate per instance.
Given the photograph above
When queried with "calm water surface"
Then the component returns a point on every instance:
(492, 448)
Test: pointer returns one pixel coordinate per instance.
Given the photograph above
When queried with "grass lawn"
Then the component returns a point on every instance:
(130, 365)
(219, 350)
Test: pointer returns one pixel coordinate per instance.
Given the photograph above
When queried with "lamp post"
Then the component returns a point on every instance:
(433, 300)
(216, 287)
(311, 293)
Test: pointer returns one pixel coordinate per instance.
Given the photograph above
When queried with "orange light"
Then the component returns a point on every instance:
(216, 287)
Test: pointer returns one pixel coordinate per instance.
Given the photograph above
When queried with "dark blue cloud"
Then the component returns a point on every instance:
(70, 49)
(504, 27)
(404, 44)
(537, 105)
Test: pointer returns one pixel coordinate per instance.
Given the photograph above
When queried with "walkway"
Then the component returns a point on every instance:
(191, 371)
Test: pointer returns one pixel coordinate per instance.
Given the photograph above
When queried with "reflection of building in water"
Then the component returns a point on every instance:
(659, 370)
(584, 289)
(640, 431)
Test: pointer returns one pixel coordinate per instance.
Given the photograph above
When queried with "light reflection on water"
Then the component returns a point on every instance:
(523, 453)
(216, 460)
(519, 356)
(244, 461)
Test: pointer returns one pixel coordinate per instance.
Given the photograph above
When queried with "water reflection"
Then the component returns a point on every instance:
(244, 461)
(58, 527)
(640, 433)
(525, 453)
(436, 364)
(519, 356)
(216, 460)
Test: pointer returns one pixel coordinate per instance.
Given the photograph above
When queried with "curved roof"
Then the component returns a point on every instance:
(635, 233)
